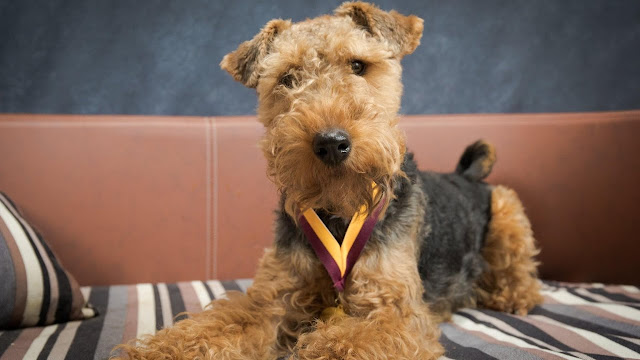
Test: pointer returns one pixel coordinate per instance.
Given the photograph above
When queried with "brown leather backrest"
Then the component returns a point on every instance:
(125, 199)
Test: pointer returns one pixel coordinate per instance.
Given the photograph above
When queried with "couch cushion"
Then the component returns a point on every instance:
(601, 322)
(34, 288)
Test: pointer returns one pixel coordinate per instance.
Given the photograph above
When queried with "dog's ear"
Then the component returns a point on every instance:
(402, 33)
(243, 63)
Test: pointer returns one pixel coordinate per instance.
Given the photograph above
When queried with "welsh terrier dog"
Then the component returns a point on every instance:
(425, 243)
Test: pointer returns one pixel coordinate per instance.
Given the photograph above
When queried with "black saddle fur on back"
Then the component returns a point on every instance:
(458, 214)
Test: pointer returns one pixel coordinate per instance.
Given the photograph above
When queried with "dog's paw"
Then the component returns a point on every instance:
(351, 338)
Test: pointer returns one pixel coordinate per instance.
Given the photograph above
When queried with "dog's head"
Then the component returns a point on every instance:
(329, 92)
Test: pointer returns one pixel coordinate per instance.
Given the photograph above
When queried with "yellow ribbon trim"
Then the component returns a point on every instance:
(338, 253)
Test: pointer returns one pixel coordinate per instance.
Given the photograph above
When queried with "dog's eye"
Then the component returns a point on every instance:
(358, 67)
(286, 80)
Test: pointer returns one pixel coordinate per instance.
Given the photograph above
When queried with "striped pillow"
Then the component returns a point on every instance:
(34, 288)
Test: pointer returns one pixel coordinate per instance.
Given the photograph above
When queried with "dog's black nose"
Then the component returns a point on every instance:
(332, 146)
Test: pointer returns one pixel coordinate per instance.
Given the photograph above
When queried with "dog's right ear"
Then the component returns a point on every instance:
(243, 63)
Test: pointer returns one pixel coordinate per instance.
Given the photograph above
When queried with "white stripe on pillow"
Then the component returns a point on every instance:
(35, 286)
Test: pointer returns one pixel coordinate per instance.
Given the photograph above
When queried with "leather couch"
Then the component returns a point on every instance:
(130, 199)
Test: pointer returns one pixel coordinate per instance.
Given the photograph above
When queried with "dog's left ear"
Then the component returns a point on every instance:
(402, 33)
(243, 63)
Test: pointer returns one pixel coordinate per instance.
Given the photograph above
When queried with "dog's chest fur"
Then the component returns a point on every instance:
(450, 215)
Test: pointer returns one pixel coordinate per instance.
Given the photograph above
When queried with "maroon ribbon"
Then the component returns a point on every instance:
(354, 253)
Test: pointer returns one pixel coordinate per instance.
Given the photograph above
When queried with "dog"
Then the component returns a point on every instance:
(329, 93)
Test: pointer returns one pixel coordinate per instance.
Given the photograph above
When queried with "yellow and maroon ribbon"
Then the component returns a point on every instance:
(339, 259)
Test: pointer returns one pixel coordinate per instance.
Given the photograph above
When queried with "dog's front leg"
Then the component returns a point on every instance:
(242, 327)
(387, 316)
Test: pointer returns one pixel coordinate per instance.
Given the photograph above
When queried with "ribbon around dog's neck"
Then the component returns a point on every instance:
(339, 259)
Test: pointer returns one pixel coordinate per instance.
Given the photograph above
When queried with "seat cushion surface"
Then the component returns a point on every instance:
(576, 321)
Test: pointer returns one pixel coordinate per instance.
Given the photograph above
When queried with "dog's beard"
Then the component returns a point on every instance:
(377, 151)
(341, 193)
(342, 190)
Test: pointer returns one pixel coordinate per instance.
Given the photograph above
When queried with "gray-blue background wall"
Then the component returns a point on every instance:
(161, 56)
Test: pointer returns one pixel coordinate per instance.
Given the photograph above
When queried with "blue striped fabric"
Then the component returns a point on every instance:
(576, 321)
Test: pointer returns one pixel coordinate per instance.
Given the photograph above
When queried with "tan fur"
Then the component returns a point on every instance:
(242, 63)
(489, 159)
(401, 33)
(386, 317)
(511, 283)
(251, 326)
(317, 53)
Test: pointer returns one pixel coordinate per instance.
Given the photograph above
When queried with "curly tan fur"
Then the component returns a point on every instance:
(317, 54)
(383, 302)
(244, 326)
(510, 284)
(386, 316)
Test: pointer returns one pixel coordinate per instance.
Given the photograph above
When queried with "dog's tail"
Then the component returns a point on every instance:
(477, 160)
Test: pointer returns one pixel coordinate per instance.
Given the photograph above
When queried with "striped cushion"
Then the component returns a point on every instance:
(34, 288)
(576, 321)
(126, 312)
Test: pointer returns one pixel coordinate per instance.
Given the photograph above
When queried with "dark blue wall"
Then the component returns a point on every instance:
(161, 56)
